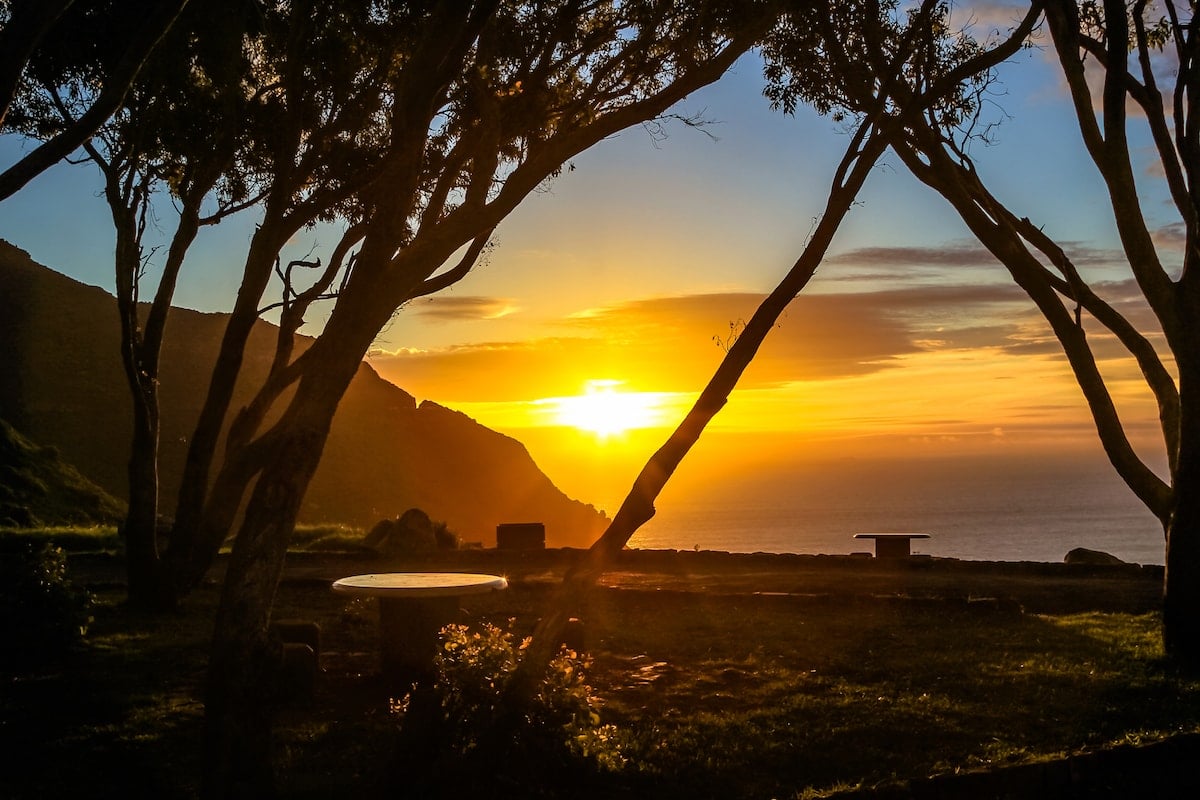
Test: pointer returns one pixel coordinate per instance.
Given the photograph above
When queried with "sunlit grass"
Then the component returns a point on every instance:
(76, 538)
(830, 696)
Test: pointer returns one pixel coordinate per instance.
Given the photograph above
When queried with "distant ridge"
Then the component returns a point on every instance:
(61, 385)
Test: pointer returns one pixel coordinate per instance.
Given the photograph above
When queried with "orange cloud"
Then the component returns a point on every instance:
(673, 344)
(452, 308)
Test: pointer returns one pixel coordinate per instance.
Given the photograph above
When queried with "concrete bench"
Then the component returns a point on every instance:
(892, 545)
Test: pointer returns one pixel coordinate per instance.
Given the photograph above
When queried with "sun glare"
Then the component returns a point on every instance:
(606, 411)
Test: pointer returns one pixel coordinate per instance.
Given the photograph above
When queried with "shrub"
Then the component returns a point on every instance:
(42, 615)
(446, 538)
(560, 732)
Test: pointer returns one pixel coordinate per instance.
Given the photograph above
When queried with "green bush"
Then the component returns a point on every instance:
(560, 732)
(42, 615)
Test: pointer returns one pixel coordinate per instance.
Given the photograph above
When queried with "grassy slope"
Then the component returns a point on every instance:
(38, 488)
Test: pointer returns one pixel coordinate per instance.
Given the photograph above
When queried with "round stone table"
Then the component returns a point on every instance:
(413, 608)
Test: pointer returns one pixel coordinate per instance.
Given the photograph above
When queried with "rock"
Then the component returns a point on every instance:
(412, 532)
(574, 637)
(379, 533)
(1081, 555)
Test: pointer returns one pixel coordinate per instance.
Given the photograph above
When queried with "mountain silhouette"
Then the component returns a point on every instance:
(62, 386)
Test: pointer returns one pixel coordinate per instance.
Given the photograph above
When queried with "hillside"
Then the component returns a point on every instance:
(63, 387)
(38, 488)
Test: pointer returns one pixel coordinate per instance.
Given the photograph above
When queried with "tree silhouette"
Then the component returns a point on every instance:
(127, 32)
(1122, 67)
(321, 72)
(807, 51)
(485, 102)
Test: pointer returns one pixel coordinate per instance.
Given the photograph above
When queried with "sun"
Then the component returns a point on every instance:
(606, 411)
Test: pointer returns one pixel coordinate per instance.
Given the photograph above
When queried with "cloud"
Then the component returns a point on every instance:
(673, 344)
(451, 308)
(1171, 237)
(962, 254)
(953, 254)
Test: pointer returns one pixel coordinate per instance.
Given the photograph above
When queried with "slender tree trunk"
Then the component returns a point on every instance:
(1181, 583)
(141, 346)
(140, 529)
(188, 562)
(638, 506)
(146, 587)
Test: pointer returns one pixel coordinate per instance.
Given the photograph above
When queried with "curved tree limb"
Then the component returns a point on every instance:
(109, 100)
(942, 173)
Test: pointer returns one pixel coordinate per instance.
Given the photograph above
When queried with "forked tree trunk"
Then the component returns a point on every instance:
(149, 583)
(188, 559)
(238, 704)
(138, 530)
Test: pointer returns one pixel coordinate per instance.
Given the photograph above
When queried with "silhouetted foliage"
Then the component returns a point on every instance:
(1123, 64)
(113, 37)
(186, 127)
(42, 615)
(484, 103)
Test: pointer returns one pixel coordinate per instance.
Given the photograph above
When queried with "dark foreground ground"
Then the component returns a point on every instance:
(730, 676)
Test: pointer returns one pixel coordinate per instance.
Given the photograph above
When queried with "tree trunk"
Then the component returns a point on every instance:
(155, 590)
(140, 527)
(188, 562)
(1181, 583)
(242, 664)
(867, 145)
(147, 590)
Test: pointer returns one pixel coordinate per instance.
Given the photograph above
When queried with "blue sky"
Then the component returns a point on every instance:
(651, 246)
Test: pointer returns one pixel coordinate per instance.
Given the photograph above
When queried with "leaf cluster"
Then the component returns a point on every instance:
(539, 73)
(187, 109)
(42, 614)
(843, 58)
(560, 725)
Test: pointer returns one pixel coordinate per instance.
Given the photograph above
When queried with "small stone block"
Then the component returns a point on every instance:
(520, 536)
(297, 674)
(298, 631)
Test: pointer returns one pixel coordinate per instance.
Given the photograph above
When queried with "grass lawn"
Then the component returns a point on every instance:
(730, 695)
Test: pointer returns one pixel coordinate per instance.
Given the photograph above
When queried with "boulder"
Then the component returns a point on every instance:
(411, 532)
(380, 533)
(1082, 555)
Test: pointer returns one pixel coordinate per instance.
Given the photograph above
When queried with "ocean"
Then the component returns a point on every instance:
(975, 509)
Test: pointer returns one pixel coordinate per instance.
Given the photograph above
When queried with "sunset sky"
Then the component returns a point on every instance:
(611, 290)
